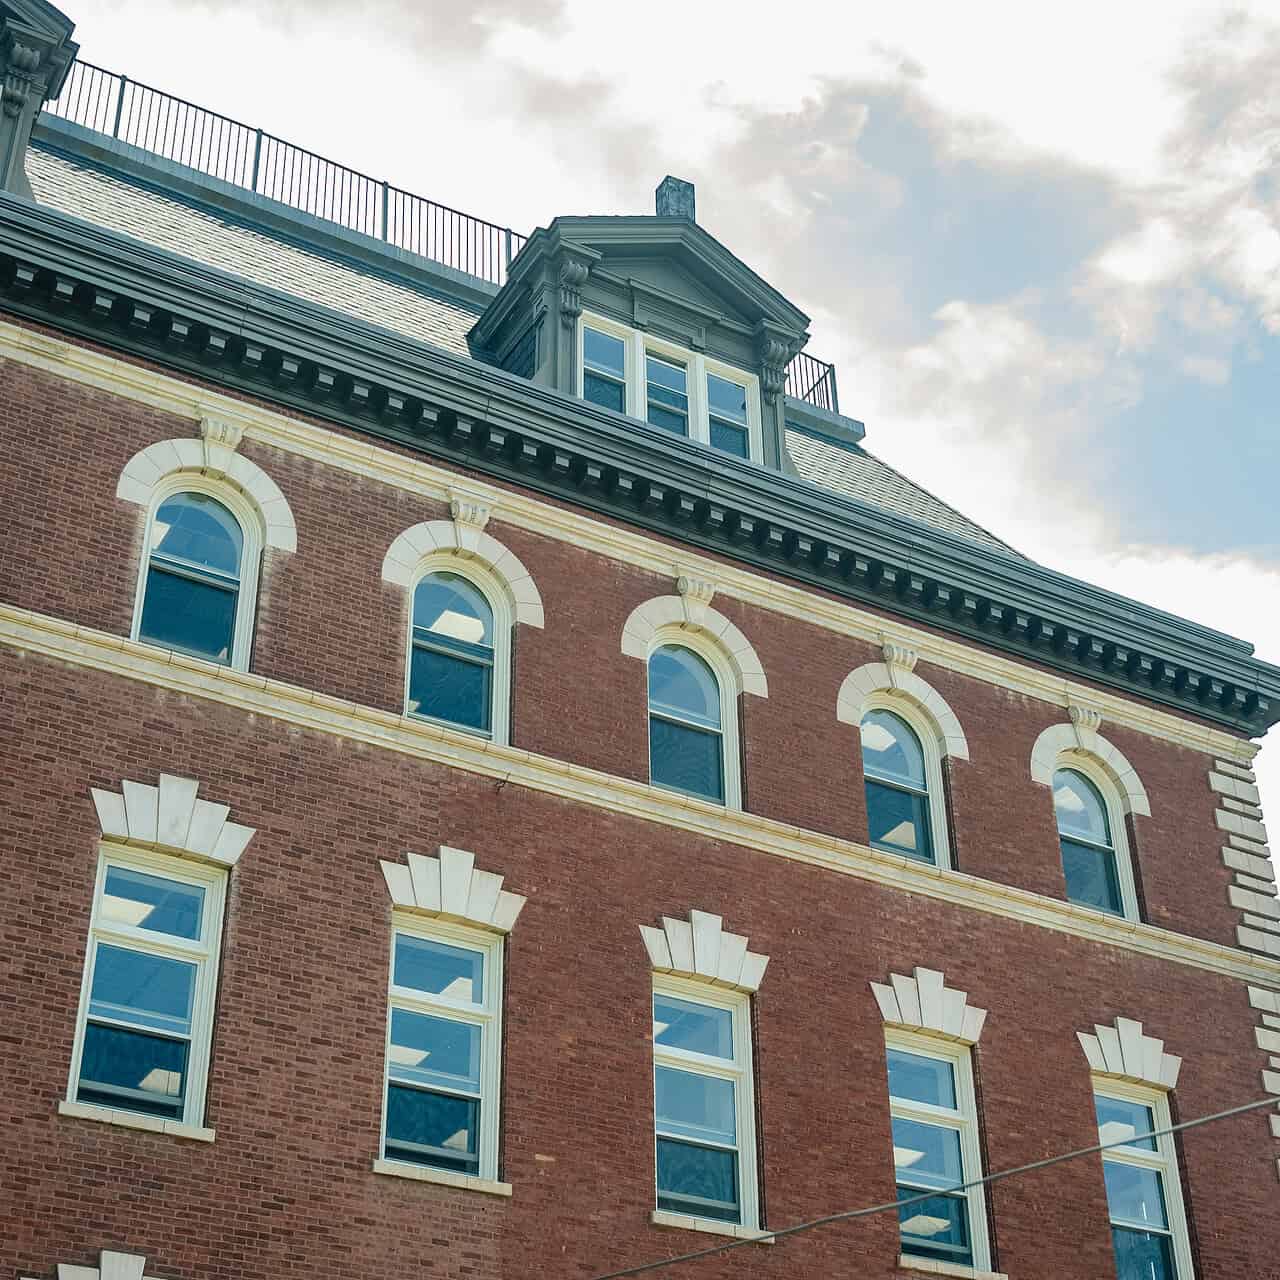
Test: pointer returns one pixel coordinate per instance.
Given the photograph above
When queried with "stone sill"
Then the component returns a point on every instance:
(134, 1120)
(686, 1222)
(932, 1267)
(441, 1177)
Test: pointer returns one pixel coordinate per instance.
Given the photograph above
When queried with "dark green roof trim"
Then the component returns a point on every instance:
(129, 296)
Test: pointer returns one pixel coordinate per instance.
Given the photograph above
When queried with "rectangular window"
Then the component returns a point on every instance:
(667, 395)
(727, 408)
(935, 1151)
(1144, 1197)
(146, 1009)
(703, 1108)
(442, 1051)
(604, 379)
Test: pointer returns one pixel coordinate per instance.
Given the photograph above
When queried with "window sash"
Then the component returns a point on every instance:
(485, 1015)
(202, 953)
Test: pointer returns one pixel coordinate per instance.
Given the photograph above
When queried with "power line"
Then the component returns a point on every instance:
(846, 1214)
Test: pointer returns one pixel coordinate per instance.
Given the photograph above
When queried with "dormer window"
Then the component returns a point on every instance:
(684, 392)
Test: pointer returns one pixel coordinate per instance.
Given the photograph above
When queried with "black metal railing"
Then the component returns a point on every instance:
(813, 380)
(269, 166)
(260, 162)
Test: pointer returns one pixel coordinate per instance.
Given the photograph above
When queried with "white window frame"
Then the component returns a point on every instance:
(205, 954)
(964, 1120)
(927, 734)
(637, 344)
(1087, 767)
(487, 1016)
(495, 593)
(251, 530)
(1164, 1160)
(741, 1071)
(726, 678)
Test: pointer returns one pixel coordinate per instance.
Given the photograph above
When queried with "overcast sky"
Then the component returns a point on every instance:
(1042, 246)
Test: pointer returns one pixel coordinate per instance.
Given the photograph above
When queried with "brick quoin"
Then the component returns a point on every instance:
(296, 1075)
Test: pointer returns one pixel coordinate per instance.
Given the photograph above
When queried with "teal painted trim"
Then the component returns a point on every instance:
(76, 277)
(226, 199)
(822, 423)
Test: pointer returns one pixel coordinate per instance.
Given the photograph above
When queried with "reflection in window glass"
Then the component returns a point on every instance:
(727, 408)
(451, 657)
(193, 572)
(667, 395)
(604, 369)
(456, 973)
(686, 740)
(159, 905)
(897, 794)
(1088, 854)
(699, 1075)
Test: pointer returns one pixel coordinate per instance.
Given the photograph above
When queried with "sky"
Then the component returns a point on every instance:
(1042, 246)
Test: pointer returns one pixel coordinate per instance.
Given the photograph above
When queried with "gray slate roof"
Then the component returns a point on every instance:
(85, 191)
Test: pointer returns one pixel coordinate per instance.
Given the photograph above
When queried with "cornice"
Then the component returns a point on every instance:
(126, 295)
(356, 456)
(84, 647)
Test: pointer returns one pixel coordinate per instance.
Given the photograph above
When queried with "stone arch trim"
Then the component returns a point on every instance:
(1125, 1052)
(211, 456)
(924, 1002)
(683, 613)
(1057, 744)
(171, 818)
(111, 1266)
(700, 949)
(416, 544)
(896, 681)
(451, 887)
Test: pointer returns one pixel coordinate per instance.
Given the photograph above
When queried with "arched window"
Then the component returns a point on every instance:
(192, 596)
(893, 764)
(451, 656)
(686, 725)
(1089, 859)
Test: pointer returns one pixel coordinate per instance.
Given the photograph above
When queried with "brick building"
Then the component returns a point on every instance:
(500, 781)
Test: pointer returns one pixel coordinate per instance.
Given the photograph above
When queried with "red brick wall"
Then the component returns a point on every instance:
(327, 621)
(296, 1078)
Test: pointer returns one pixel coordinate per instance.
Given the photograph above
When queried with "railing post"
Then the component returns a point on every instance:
(257, 160)
(115, 128)
(506, 236)
(835, 401)
(385, 205)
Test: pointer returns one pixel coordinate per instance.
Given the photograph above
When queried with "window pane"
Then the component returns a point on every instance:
(152, 991)
(1091, 877)
(685, 758)
(680, 682)
(449, 606)
(699, 1028)
(1120, 1120)
(133, 1070)
(698, 1181)
(1142, 1255)
(727, 399)
(1079, 807)
(916, 1078)
(182, 613)
(1134, 1196)
(926, 1155)
(603, 352)
(150, 902)
(433, 1129)
(604, 392)
(898, 821)
(668, 401)
(668, 419)
(693, 1106)
(731, 439)
(456, 973)
(891, 751)
(434, 1051)
(200, 531)
(450, 688)
(936, 1228)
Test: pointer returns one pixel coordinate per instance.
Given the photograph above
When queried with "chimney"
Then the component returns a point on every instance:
(674, 199)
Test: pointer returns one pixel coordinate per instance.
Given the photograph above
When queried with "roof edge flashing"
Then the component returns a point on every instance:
(824, 422)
